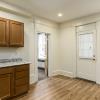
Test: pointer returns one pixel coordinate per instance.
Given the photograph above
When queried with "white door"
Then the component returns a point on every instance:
(86, 52)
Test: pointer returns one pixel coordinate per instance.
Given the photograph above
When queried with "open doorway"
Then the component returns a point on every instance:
(42, 56)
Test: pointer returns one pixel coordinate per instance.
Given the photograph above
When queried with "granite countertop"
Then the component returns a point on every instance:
(8, 64)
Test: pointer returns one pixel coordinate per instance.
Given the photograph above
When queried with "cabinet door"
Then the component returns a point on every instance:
(21, 79)
(6, 83)
(16, 34)
(4, 32)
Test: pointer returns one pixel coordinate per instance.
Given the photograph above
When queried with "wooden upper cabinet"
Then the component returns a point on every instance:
(11, 33)
(16, 34)
(4, 32)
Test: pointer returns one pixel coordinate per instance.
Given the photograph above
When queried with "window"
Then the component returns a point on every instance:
(42, 46)
(86, 48)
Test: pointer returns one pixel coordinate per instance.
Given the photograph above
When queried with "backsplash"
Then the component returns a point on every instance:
(9, 53)
(11, 60)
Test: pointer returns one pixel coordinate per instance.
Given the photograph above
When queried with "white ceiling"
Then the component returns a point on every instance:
(49, 9)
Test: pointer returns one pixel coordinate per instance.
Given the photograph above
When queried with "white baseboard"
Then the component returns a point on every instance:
(62, 72)
(57, 72)
(32, 79)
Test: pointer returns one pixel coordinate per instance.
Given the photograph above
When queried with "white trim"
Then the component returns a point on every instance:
(32, 80)
(36, 56)
(81, 21)
(15, 10)
(36, 53)
(62, 72)
(97, 53)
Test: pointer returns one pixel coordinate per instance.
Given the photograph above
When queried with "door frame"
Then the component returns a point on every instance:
(36, 55)
(47, 54)
(76, 46)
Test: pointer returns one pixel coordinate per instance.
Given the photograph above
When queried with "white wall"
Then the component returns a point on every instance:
(29, 51)
(98, 53)
(67, 50)
(68, 45)
(24, 52)
(42, 25)
(62, 42)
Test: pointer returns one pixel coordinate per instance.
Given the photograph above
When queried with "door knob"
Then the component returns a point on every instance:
(93, 58)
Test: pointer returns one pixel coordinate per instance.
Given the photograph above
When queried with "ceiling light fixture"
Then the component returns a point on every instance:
(60, 14)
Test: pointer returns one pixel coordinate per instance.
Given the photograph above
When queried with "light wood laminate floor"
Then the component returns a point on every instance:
(63, 88)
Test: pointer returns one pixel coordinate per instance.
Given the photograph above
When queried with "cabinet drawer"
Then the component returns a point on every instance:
(22, 68)
(21, 89)
(22, 81)
(6, 70)
(22, 74)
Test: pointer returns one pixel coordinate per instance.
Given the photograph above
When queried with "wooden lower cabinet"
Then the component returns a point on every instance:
(21, 79)
(21, 89)
(6, 83)
(11, 83)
